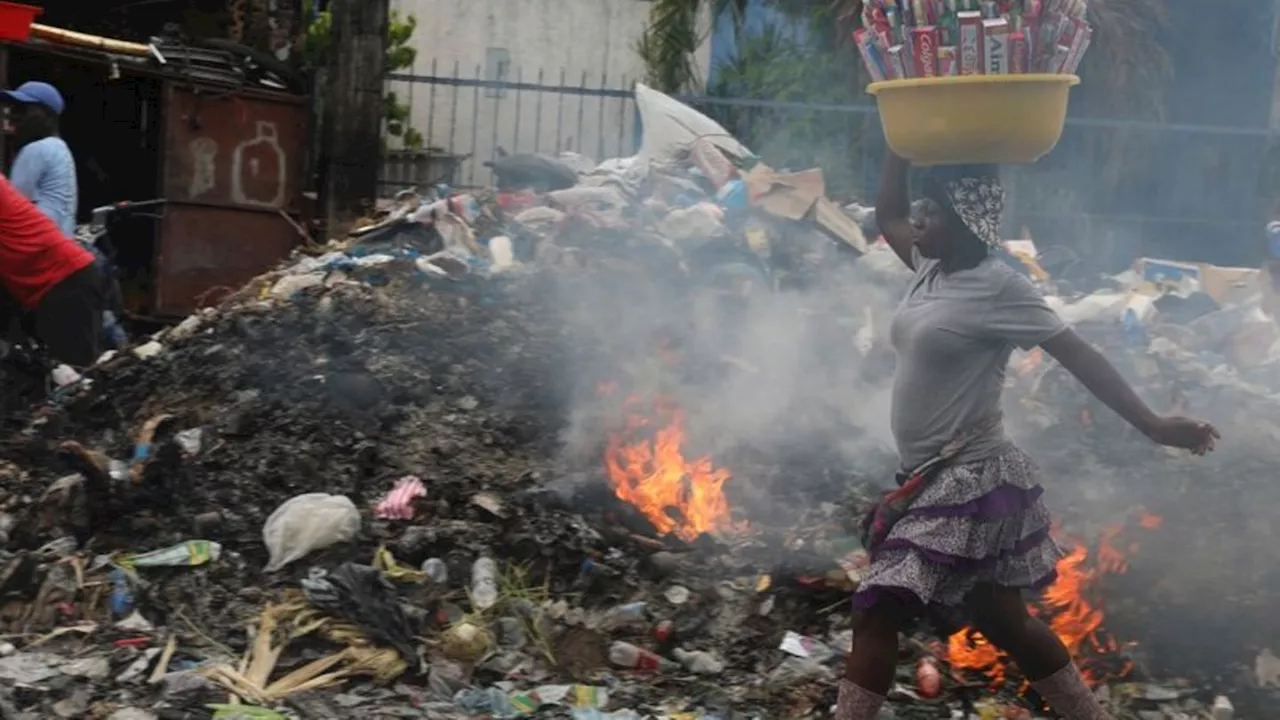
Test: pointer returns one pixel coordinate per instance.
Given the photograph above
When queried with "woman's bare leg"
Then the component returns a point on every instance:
(870, 666)
(1000, 614)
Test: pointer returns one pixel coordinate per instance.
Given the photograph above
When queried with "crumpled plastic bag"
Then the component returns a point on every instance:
(488, 701)
(539, 220)
(399, 503)
(699, 222)
(580, 163)
(670, 127)
(291, 285)
(361, 595)
(306, 523)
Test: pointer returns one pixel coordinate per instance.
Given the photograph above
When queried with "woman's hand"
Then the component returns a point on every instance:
(1087, 364)
(1185, 433)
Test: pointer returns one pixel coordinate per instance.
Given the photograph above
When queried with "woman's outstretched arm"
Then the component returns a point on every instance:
(1101, 378)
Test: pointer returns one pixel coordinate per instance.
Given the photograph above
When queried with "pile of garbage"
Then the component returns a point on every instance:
(384, 478)
(344, 486)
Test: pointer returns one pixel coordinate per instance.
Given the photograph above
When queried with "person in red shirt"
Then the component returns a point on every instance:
(51, 281)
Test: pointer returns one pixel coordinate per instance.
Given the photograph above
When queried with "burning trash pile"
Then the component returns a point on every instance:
(591, 445)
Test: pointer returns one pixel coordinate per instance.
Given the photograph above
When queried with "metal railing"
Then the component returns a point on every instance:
(1200, 200)
(470, 120)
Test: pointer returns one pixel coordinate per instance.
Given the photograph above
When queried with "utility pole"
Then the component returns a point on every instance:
(353, 108)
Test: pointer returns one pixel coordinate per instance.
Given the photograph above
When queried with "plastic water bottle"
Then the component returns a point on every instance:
(622, 616)
(626, 655)
(121, 593)
(484, 583)
(1137, 309)
(436, 570)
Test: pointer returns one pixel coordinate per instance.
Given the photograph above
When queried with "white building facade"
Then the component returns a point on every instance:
(581, 52)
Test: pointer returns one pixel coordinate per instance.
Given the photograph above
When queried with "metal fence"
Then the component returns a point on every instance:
(468, 120)
(1196, 197)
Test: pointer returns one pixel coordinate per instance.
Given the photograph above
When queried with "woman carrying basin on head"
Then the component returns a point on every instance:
(967, 525)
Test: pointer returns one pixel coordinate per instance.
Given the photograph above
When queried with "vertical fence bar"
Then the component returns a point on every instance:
(560, 110)
(600, 101)
(515, 143)
(537, 120)
(384, 157)
(475, 126)
(408, 121)
(453, 119)
(386, 154)
(493, 140)
(582, 86)
(622, 122)
(431, 108)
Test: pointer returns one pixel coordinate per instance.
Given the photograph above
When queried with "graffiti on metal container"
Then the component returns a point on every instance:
(204, 153)
(258, 167)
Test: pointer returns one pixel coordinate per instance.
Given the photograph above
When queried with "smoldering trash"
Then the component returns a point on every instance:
(599, 452)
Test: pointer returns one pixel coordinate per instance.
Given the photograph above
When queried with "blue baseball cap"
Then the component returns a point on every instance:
(37, 93)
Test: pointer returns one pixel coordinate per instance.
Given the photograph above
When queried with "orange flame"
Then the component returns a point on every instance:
(680, 496)
(1065, 606)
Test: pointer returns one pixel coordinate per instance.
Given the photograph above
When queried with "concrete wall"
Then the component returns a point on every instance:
(571, 42)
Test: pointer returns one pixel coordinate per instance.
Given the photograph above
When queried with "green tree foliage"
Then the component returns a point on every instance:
(674, 34)
(400, 56)
(781, 65)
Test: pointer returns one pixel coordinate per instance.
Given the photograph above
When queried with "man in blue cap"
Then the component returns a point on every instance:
(45, 172)
(44, 169)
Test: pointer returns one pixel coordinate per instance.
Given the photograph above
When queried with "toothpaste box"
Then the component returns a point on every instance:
(1080, 43)
(995, 46)
(972, 61)
(1019, 54)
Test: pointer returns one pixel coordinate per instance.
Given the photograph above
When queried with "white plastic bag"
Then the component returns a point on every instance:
(308, 522)
(670, 127)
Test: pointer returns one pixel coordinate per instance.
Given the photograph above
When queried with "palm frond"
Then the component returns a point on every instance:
(668, 44)
(1126, 67)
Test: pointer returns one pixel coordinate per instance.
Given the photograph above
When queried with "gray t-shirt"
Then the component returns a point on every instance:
(953, 334)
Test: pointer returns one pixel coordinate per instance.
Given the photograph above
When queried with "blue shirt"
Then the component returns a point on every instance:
(45, 173)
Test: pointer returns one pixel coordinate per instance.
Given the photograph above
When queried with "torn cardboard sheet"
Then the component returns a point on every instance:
(799, 196)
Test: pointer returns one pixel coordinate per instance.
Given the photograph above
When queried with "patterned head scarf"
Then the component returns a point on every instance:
(979, 202)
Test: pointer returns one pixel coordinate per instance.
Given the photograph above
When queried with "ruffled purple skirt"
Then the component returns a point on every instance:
(981, 522)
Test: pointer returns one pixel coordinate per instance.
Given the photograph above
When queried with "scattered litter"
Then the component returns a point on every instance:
(398, 504)
(611, 424)
(307, 523)
(802, 646)
(187, 554)
(484, 583)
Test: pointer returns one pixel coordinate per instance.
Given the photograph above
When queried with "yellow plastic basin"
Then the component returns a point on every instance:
(973, 119)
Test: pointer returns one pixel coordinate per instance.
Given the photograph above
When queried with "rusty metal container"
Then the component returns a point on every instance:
(232, 169)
